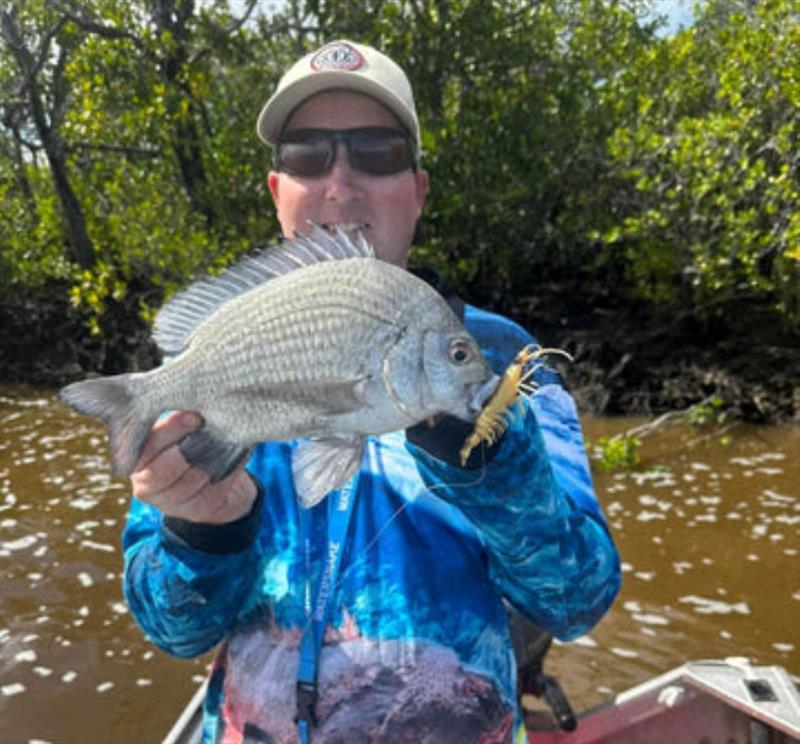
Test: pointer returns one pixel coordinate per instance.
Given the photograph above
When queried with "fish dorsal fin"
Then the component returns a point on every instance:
(178, 318)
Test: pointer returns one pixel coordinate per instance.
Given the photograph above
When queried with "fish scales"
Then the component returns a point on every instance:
(290, 320)
(293, 340)
(279, 332)
(343, 347)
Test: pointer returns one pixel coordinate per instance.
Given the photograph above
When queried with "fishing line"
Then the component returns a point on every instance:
(354, 561)
(400, 509)
(526, 389)
(318, 603)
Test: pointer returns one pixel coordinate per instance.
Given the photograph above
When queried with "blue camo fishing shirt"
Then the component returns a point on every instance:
(416, 648)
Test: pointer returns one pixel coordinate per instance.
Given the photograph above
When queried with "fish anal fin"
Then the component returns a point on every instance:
(212, 453)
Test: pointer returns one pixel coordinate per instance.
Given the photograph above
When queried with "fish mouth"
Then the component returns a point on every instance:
(480, 393)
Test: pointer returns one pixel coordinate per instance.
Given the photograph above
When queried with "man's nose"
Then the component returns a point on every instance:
(342, 177)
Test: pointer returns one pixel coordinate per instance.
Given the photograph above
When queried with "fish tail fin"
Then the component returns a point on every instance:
(111, 399)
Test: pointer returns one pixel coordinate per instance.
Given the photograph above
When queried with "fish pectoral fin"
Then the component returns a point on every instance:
(321, 465)
(341, 396)
(211, 452)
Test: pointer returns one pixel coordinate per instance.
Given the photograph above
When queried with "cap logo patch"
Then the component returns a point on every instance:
(337, 56)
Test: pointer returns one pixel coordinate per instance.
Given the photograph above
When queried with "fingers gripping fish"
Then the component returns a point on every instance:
(315, 339)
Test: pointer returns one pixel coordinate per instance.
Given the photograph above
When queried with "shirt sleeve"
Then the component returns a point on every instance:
(185, 583)
(533, 502)
(553, 558)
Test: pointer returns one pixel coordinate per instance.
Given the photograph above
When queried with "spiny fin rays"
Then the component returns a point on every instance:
(180, 316)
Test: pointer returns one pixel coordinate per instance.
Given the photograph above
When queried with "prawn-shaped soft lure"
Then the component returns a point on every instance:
(495, 415)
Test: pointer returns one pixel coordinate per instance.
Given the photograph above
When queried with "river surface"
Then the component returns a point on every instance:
(708, 534)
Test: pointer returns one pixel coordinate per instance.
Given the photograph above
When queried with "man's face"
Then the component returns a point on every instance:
(386, 208)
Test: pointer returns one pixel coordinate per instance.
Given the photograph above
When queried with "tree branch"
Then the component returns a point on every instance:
(72, 13)
(650, 427)
(60, 91)
(44, 52)
(184, 12)
(236, 25)
(124, 149)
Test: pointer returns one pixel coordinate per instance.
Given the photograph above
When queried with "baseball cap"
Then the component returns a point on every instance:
(340, 64)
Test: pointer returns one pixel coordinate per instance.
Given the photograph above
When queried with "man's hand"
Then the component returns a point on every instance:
(443, 437)
(165, 480)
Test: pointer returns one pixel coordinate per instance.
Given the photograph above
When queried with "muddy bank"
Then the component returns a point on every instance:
(629, 359)
(633, 360)
(44, 340)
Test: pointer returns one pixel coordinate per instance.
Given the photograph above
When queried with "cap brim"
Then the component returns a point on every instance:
(279, 108)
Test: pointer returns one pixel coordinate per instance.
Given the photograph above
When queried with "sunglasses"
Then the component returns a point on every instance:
(376, 151)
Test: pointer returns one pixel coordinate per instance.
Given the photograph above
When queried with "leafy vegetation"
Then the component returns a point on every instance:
(707, 413)
(619, 452)
(565, 138)
(708, 160)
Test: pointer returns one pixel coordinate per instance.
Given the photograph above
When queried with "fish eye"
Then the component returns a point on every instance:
(460, 351)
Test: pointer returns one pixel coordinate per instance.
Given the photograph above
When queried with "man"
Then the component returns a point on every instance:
(379, 614)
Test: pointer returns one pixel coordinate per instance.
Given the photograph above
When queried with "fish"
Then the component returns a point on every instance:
(314, 339)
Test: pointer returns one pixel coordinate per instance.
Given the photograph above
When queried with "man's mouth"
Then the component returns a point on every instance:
(348, 227)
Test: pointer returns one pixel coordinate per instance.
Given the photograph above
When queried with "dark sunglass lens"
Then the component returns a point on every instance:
(380, 153)
(305, 158)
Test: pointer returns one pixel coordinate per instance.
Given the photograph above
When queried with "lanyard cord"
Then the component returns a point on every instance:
(340, 509)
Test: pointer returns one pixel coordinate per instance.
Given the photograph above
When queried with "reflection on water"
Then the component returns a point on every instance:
(73, 665)
(708, 536)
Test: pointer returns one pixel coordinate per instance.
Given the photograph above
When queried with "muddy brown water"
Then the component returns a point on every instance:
(708, 534)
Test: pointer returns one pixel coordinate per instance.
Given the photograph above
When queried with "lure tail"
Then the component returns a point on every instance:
(111, 400)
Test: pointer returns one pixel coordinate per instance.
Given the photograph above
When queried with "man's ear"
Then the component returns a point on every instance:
(273, 183)
(421, 179)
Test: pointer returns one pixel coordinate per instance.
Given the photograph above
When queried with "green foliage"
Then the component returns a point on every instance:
(152, 136)
(31, 237)
(562, 137)
(620, 452)
(708, 160)
(512, 94)
(708, 413)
